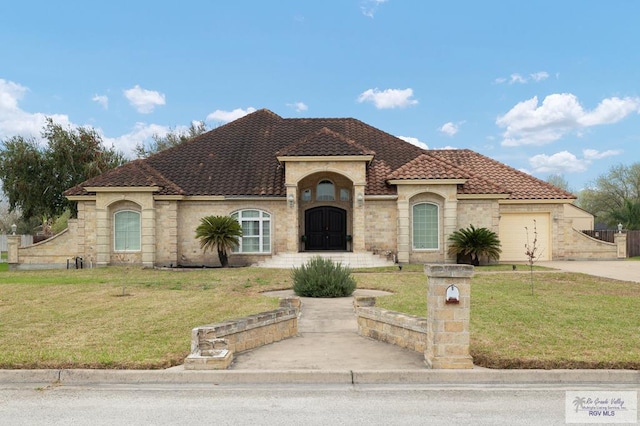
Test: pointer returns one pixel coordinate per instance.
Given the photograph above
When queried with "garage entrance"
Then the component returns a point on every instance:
(513, 235)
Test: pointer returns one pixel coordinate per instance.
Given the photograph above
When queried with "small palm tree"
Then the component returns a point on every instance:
(475, 242)
(221, 232)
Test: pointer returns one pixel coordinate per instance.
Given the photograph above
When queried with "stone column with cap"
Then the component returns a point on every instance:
(448, 320)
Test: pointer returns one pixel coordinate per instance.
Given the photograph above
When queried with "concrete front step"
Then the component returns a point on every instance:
(352, 260)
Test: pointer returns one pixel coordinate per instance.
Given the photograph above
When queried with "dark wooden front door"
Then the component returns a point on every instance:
(325, 228)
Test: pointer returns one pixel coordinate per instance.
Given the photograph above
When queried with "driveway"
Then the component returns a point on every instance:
(615, 269)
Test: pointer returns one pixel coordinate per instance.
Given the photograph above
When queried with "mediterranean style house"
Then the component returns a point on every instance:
(321, 185)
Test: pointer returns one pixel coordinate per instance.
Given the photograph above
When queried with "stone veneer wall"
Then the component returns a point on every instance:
(189, 215)
(381, 232)
(579, 246)
(243, 334)
(479, 213)
(406, 331)
(52, 253)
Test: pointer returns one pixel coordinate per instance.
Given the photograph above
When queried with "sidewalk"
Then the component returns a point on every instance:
(328, 340)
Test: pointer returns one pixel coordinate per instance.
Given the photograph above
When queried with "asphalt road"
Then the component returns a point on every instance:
(178, 404)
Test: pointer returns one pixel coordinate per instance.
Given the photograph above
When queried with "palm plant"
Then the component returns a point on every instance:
(475, 242)
(221, 232)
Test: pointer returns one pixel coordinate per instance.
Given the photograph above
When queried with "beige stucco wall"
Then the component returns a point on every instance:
(579, 218)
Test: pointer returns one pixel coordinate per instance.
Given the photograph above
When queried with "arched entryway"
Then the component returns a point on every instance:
(325, 228)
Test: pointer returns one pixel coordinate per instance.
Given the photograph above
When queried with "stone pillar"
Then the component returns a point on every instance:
(448, 321)
(358, 227)
(621, 243)
(148, 237)
(13, 243)
(404, 239)
(292, 244)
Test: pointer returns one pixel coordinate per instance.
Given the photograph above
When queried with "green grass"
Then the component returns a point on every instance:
(80, 318)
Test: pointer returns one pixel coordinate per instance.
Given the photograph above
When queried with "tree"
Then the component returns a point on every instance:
(475, 242)
(221, 232)
(35, 176)
(611, 197)
(559, 181)
(171, 139)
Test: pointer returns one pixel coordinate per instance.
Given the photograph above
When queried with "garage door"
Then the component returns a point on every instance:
(513, 236)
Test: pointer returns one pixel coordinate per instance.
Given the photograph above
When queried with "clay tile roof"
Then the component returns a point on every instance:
(428, 167)
(239, 159)
(136, 173)
(324, 142)
(499, 176)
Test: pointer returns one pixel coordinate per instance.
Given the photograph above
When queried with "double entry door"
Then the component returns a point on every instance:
(325, 228)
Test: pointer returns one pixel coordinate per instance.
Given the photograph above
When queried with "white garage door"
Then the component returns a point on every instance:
(513, 236)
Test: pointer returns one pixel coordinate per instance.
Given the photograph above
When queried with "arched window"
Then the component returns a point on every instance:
(325, 191)
(425, 226)
(126, 230)
(256, 231)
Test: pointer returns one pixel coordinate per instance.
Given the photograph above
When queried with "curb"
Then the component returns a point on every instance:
(361, 377)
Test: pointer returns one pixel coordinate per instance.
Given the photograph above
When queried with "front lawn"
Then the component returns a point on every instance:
(139, 318)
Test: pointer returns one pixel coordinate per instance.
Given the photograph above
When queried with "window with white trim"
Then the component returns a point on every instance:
(126, 230)
(425, 226)
(256, 231)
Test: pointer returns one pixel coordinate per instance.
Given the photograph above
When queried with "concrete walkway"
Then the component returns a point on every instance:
(624, 270)
(328, 340)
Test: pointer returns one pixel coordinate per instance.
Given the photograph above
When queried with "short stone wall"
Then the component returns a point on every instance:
(213, 346)
(56, 252)
(406, 331)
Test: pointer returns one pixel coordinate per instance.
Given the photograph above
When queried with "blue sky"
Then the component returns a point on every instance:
(548, 87)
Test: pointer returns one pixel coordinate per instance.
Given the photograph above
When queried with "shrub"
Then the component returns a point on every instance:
(321, 277)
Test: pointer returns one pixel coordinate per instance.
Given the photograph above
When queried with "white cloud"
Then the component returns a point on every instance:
(389, 98)
(539, 76)
(226, 116)
(102, 100)
(143, 100)
(298, 106)
(592, 154)
(450, 128)
(558, 163)
(369, 7)
(566, 162)
(517, 78)
(141, 133)
(528, 123)
(14, 121)
(414, 141)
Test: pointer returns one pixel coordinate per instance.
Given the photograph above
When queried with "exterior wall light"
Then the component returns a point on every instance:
(619, 228)
(291, 199)
(360, 199)
(14, 227)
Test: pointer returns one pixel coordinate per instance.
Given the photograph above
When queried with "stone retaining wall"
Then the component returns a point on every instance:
(399, 329)
(213, 346)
